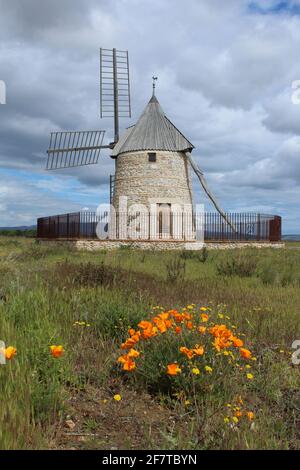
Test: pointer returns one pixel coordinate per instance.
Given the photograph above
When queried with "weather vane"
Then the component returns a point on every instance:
(153, 84)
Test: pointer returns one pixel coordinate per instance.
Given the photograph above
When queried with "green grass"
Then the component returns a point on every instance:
(45, 290)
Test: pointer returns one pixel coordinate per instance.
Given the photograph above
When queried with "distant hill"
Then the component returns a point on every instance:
(21, 227)
(20, 231)
(291, 238)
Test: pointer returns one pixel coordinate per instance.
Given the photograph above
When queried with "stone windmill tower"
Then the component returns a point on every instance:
(153, 171)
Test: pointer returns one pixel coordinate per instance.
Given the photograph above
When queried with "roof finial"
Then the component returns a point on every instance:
(153, 85)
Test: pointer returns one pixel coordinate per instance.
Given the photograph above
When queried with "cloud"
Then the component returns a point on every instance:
(225, 80)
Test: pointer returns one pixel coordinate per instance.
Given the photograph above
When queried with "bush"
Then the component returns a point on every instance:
(175, 269)
(188, 353)
(237, 264)
(272, 273)
(200, 255)
(86, 274)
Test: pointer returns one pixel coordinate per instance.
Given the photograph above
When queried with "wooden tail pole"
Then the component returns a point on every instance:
(203, 182)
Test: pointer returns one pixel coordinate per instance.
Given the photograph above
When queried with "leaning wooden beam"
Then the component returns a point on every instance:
(203, 182)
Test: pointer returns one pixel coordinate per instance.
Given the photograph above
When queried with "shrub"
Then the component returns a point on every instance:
(237, 264)
(200, 255)
(86, 274)
(175, 269)
(284, 275)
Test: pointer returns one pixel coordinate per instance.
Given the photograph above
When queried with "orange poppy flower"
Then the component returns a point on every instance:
(161, 325)
(188, 352)
(131, 331)
(198, 350)
(163, 316)
(204, 317)
(129, 365)
(56, 351)
(189, 325)
(245, 353)
(145, 325)
(130, 342)
(133, 353)
(178, 329)
(250, 415)
(10, 352)
(186, 316)
(123, 359)
(178, 317)
(237, 342)
(173, 369)
(202, 329)
(149, 332)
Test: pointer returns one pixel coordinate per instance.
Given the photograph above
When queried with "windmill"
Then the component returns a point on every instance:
(153, 132)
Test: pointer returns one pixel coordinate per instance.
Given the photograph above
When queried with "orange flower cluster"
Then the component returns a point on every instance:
(161, 323)
(203, 346)
(127, 360)
(190, 353)
(179, 322)
(236, 411)
(148, 329)
(224, 338)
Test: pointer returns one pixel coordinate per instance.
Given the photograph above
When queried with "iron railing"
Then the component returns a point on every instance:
(209, 226)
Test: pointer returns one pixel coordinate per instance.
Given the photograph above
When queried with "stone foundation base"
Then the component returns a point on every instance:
(156, 245)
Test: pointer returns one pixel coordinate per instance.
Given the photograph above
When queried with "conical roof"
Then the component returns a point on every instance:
(153, 131)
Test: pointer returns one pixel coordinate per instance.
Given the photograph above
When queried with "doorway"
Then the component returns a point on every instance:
(164, 225)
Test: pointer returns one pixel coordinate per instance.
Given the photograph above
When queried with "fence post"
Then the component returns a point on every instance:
(258, 227)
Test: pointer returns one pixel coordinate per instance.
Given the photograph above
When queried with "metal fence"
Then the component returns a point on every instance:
(209, 226)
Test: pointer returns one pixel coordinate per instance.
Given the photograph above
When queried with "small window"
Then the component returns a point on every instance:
(152, 157)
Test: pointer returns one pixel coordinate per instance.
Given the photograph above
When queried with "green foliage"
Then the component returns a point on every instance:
(279, 272)
(175, 268)
(199, 255)
(237, 263)
(45, 290)
(30, 233)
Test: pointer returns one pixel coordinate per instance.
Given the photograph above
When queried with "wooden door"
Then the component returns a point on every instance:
(164, 221)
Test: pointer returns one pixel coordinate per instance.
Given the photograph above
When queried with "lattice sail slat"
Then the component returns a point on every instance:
(74, 148)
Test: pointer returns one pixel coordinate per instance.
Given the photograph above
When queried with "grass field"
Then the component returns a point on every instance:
(70, 402)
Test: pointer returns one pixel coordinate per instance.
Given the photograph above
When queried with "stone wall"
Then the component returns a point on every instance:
(92, 245)
(167, 180)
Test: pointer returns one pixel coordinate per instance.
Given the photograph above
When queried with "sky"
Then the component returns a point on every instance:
(225, 73)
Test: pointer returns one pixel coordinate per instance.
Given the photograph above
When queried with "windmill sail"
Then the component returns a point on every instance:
(74, 148)
(203, 182)
(78, 148)
(114, 86)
